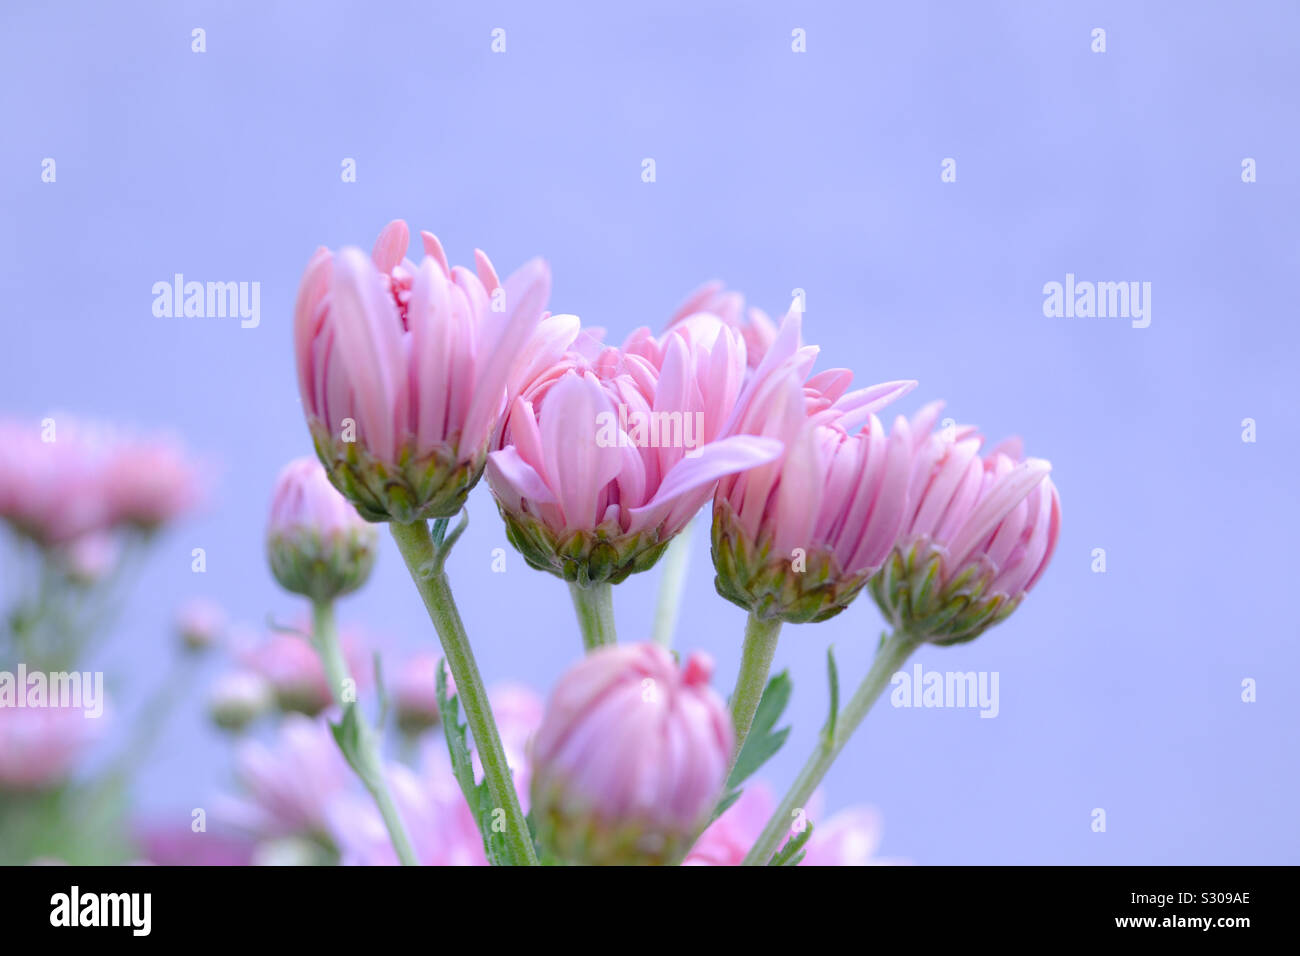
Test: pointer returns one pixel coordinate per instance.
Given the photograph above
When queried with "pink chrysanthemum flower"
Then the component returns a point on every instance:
(847, 838)
(405, 369)
(754, 325)
(798, 539)
(977, 536)
(605, 457)
(293, 668)
(289, 784)
(630, 758)
(40, 747)
(62, 480)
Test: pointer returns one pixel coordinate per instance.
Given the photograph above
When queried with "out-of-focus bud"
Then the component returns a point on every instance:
(239, 698)
(316, 542)
(630, 757)
(200, 623)
(415, 694)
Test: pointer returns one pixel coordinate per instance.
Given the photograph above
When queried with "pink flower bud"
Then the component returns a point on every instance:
(415, 693)
(294, 670)
(405, 369)
(200, 623)
(239, 698)
(977, 535)
(630, 757)
(317, 544)
(798, 539)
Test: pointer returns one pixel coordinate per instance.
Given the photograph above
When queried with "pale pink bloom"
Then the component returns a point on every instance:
(88, 478)
(753, 324)
(605, 459)
(797, 539)
(90, 558)
(420, 358)
(848, 838)
(150, 483)
(316, 542)
(52, 491)
(294, 670)
(40, 747)
(630, 758)
(433, 809)
(415, 692)
(977, 535)
(167, 844)
(289, 784)
(200, 623)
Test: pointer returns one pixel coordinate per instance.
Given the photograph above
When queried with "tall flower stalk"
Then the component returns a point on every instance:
(426, 561)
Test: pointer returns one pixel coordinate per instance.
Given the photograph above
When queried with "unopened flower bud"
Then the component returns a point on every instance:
(317, 544)
(239, 698)
(630, 757)
(200, 624)
(978, 535)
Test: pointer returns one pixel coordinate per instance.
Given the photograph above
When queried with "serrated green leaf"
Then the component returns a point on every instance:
(793, 852)
(462, 768)
(762, 742)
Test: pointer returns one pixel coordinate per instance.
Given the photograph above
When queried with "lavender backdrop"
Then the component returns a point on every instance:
(775, 170)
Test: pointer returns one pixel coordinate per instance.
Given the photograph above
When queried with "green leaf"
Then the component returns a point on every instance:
(834, 675)
(347, 734)
(762, 742)
(793, 852)
(462, 767)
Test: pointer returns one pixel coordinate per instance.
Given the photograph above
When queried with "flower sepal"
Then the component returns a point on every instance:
(769, 585)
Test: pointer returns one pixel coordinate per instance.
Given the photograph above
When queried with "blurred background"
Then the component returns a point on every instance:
(775, 170)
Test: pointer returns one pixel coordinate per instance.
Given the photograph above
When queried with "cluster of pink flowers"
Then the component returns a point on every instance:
(70, 485)
(418, 378)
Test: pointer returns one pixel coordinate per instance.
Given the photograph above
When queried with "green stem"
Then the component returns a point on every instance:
(595, 608)
(755, 663)
(426, 567)
(672, 581)
(891, 655)
(368, 764)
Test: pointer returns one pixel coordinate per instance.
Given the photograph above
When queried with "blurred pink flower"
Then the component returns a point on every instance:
(288, 785)
(630, 757)
(40, 747)
(976, 537)
(90, 558)
(420, 359)
(415, 692)
(200, 623)
(437, 819)
(848, 838)
(62, 480)
(164, 844)
(603, 460)
(150, 483)
(293, 668)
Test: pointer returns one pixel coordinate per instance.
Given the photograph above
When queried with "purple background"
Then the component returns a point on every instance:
(775, 170)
